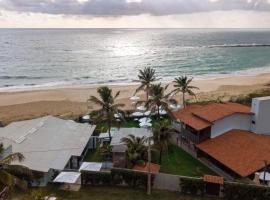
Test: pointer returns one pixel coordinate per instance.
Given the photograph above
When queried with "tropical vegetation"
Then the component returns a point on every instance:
(183, 84)
(11, 175)
(158, 100)
(146, 77)
(108, 106)
(161, 135)
(136, 149)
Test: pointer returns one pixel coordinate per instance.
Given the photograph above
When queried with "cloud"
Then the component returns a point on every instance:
(131, 7)
(215, 19)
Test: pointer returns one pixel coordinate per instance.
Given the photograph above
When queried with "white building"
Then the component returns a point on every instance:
(261, 118)
(48, 144)
(235, 137)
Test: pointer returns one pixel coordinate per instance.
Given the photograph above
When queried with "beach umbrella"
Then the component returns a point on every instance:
(147, 113)
(86, 118)
(134, 98)
(175, 106)
(137, 114)
(145, 124)
(145, 120)
(161, 111)
(117, 115)
(141, 108)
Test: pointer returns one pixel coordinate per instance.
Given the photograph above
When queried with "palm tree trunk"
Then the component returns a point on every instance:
(160, 155)
(158, 113)
(184, 101)
(147, 92)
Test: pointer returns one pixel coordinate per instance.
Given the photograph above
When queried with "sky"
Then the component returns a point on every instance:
(134, 13)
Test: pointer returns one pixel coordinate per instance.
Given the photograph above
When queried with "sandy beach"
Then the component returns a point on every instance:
(69, 102)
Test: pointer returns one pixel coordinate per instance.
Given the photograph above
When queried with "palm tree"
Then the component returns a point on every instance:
(161, 136)
(159, 99)
(108, 107)
(182, 84)
(146, 77)
(10, 174)
(136, 148)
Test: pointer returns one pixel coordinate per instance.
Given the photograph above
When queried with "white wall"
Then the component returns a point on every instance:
(235, 121)
(261, 118)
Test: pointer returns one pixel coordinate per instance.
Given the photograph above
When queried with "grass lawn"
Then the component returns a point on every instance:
(109, 193)
(93, 156)
(128, 124)
(178, 162)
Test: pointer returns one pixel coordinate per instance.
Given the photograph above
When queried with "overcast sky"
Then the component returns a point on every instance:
(135, 13)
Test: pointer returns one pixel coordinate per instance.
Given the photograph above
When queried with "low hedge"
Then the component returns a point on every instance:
(121, 177)
(237, 191)
(194, 186)
(96, 178)
(131, 178)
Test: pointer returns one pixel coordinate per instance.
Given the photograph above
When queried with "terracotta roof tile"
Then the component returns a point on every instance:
(241, 151)
(186, 116)
(154, 168)
(213, 179)
(201, 117)
(215, 111)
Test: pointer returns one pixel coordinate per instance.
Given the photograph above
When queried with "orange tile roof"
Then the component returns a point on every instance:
(241, 151)
(213, 179)
(201, 117)
(154, 168)
(215, 111)
(186, 116)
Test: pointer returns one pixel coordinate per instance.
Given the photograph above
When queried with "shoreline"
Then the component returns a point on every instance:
(71, 101)
(68, 85)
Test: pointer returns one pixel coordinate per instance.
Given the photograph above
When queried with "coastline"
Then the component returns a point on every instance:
(71, 101)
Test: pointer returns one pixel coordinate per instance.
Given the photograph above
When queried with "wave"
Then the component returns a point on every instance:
(23, 77)
(238, 45)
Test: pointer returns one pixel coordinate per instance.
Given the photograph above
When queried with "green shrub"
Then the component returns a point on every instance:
(131, 178)
(96, 178)
(192, 186)
(236, 191)
(247, 99)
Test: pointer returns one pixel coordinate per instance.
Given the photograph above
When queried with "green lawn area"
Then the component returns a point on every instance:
(128, 124)
(109, 193)
(178, 162)
(93, 156)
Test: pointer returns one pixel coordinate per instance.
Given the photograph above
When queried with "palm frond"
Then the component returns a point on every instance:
(12, 157)
(6, 178)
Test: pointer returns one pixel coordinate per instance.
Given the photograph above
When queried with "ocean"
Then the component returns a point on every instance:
(31, 58)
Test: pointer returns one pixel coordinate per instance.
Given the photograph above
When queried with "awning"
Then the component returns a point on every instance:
(91, 166)
(213, 179)
(67, 177)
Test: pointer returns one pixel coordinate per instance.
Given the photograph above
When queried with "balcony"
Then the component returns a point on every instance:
(189, 136)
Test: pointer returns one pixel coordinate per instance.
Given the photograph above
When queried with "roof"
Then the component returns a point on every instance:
(67, 177)
(213, 179)
(91, 166)
(154, 168)
(186, 115)
(202, 116)
(241, 151)
(46, 142)
(125, 132)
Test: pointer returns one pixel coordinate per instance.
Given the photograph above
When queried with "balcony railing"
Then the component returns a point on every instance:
(190, 136)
